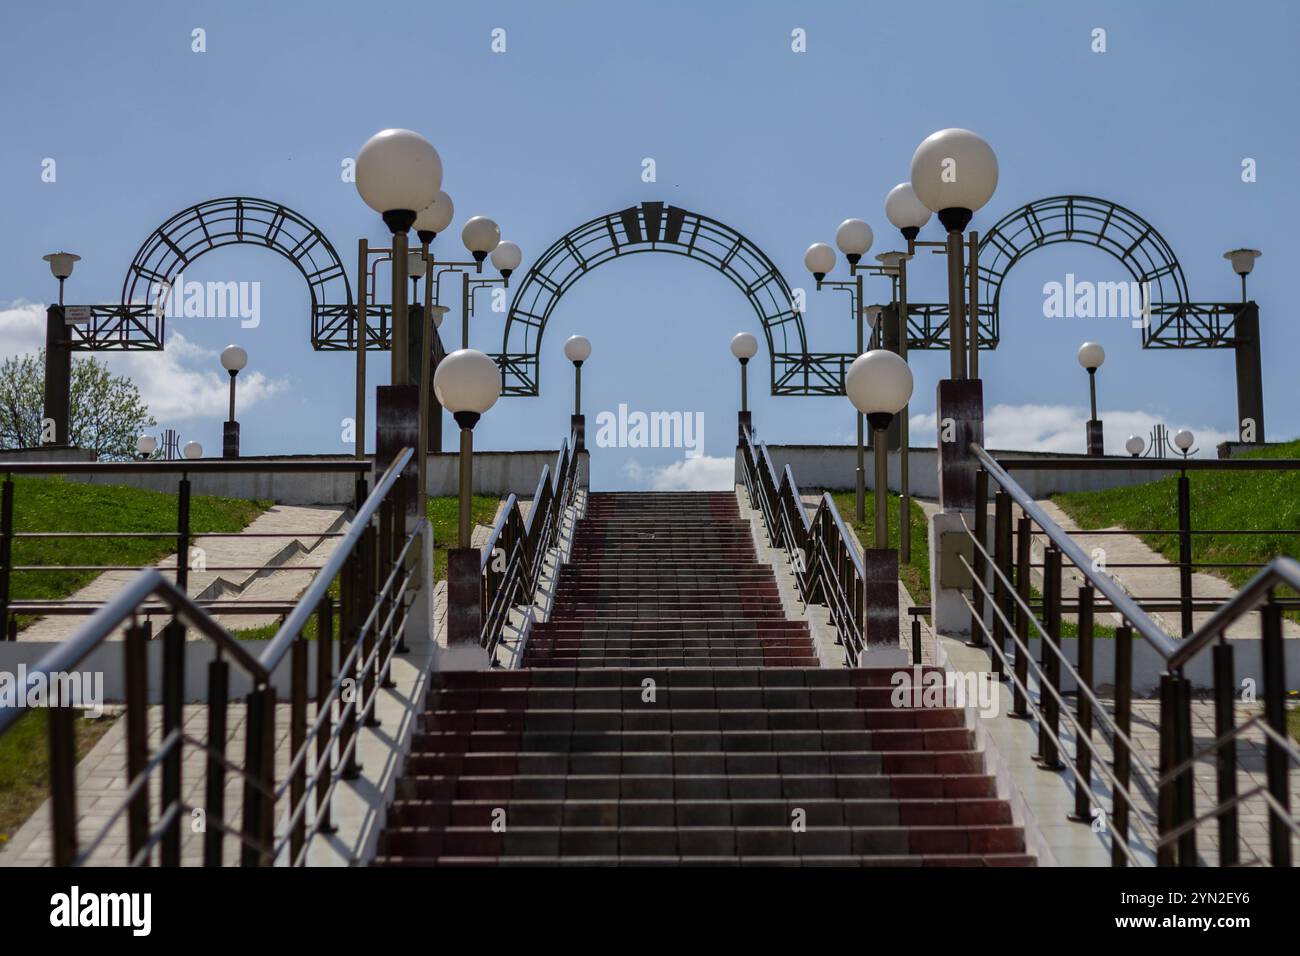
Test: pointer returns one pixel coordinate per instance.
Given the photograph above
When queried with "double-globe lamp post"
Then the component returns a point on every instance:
(1091, 356)
(467, 383)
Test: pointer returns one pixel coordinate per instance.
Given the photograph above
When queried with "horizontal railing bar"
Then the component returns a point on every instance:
(1175, 531)
(172, 534)
(1150, 464)
(137, 567)
(89, 607)
(191, 467)
(1104, 583)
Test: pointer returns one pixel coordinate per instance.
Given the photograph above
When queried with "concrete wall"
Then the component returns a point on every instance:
(832, 467)
(495, 472)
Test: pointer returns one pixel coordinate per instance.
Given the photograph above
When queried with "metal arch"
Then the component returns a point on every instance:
(649, 227)
(1109, 226)
(137, 325)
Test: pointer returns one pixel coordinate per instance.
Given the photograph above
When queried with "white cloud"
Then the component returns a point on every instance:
(690, 474)
(22, 328)
(1061, 428)
(180, 383)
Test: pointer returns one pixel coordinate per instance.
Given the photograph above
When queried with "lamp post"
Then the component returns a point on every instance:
(398, 173)
(953, 174)
(908, 215)
(481, 236)
(1243, 263)
(1091, 356)
(744, 347)
(233, 359)
(879, 384)
(467, 383)
(1183, 441)
(577, 349)
(58, 357)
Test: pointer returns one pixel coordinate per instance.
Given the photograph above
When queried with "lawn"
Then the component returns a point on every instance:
(24, 765)
(444, 515)
(54, 504)
(1263, 501)
(915, 575)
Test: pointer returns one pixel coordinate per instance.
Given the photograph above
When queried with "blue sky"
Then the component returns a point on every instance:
(780, 145)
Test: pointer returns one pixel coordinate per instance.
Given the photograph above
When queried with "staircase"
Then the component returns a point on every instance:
(669, 713)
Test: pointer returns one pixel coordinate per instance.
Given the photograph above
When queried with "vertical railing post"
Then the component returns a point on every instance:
(1167, 803)
(1123, 720)
(349, 621)
(1185, 553)
(1024, 546)
(978, 566)
(183, 533)
(173, 696)
(254, 716)
(324, 689)
(63, 782)
(136, 667)
(916, 639)
(1083, 742)
(1225, 721)
(1186, 779)
(215, 784)
(6, 550)
(1048, 698)
(1276, 762)
(369, 592)
(1002, 562)
(297, 743)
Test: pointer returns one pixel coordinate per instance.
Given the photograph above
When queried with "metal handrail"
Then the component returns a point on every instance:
(814, 544)
(528, 540)
(297, 618)
(1118, 597)
(1280, 570)
(122, 607)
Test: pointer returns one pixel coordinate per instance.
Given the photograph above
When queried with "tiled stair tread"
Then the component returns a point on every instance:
(669, 713)
(985, 859)
(698, 786)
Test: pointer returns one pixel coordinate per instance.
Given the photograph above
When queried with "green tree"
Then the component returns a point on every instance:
(107, 411)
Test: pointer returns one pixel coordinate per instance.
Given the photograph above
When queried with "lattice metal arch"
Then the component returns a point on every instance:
(649, 227)
(137, 323)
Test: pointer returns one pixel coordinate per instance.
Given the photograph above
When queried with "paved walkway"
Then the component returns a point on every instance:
(300, 542)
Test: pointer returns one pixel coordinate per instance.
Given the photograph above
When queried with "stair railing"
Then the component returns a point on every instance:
(516, 550)
(1153, 814)
(826, 565)
(376, 570)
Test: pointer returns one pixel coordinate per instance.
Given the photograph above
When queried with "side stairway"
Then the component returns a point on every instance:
(669, 713)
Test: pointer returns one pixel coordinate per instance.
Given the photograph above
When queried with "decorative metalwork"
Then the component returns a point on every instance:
(137, 323)
(1174, 322)
(650, 227)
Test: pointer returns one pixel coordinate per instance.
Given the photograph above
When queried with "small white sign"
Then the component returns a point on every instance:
(77, 315)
